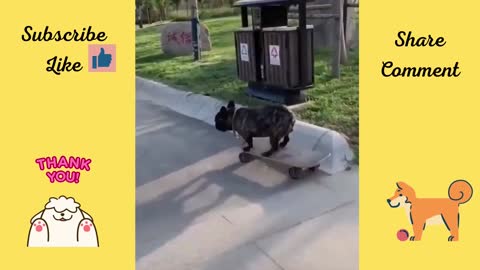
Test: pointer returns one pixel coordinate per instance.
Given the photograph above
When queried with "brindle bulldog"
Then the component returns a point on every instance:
(273, 121)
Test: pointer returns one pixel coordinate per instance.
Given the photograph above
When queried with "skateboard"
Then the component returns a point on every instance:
(300, 162)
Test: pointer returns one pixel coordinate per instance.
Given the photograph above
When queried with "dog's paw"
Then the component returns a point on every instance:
(247, 149)
(38, 236)
(87, 234)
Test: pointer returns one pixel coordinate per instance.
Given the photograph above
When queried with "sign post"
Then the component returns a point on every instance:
(195, 31)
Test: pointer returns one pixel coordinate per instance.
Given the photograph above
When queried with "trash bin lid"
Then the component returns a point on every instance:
(243, 3)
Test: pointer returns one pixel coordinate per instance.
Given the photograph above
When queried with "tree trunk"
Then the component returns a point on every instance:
(149, 20)
(343, 42)
(140, 16)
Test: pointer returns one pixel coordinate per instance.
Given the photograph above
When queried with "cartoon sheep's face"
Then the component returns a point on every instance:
(59, 216)
(62, 210)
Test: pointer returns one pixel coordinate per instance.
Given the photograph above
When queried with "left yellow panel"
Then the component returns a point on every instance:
(67, 115)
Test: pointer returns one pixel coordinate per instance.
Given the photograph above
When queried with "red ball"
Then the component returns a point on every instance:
(402, 235)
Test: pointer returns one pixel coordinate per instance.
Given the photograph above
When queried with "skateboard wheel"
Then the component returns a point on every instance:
(244, 157)
(312, 169)
(295, 172)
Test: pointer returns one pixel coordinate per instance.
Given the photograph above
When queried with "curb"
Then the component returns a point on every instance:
(307, 137)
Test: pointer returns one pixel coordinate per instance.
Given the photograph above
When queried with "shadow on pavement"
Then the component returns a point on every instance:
(179, 146)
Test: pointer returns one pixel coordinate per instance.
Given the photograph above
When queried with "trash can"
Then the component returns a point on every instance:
(276, 60)
(247, 55)
(282, 57)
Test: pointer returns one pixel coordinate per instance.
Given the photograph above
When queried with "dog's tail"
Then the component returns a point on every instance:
(460, 191)
(293, 119)
(292, 124)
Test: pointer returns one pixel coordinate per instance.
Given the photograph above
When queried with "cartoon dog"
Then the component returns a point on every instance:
(273, 121)
(62, 224)
(429, 211)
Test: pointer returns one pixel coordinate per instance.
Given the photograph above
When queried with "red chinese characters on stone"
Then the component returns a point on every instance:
(186, 38)
(181, 38)
(172, 36)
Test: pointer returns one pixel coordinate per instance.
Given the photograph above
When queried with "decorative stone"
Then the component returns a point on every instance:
(177, 38)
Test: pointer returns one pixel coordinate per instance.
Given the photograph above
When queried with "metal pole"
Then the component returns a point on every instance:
(302, 40)
(244, 16)
(345, 17)
(195, 32)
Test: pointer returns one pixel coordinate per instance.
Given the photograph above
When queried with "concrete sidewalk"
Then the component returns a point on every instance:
(199, 208)
(305, 136)
(314, 225)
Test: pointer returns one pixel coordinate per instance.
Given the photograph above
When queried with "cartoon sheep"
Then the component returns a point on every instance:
(62, 224)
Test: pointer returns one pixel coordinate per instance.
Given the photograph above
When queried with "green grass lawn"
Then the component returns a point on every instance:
(334, 102)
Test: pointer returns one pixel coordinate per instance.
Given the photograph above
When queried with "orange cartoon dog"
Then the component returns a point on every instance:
(428, 211)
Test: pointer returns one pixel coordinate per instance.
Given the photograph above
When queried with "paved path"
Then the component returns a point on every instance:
(199, 208)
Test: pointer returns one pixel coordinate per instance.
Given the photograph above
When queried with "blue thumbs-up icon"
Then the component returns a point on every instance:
(102, 60)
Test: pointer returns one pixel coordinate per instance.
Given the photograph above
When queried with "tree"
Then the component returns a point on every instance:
(177, 4)
(139, 4)
(161, 6)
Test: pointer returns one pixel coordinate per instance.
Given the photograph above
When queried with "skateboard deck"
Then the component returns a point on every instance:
(298, 160)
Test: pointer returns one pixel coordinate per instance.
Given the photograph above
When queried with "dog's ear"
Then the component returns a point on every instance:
(231, 104)
(402, 185)
(86, 215)
(37, 216)
(223, 109)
